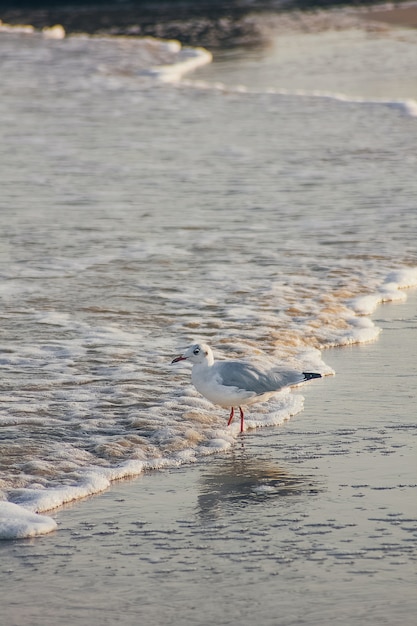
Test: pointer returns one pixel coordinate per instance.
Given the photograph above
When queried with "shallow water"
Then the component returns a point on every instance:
(354, 63)
(311, 523)
(138, 216)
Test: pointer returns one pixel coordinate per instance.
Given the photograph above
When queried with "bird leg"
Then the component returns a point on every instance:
(232, 412)
(242, 417)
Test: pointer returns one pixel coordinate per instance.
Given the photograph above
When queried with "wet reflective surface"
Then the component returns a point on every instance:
(314, 522)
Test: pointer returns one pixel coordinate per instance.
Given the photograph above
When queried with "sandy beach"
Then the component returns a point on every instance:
(270, 531)
(405, 15)
(215, 25)
(313, 522)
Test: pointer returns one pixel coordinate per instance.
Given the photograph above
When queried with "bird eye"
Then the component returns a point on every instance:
(196, 351)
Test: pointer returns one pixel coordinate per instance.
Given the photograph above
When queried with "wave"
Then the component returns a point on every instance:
(187, 60)
(88, 400)
(21, 515)
(408, 106)
(165, 60)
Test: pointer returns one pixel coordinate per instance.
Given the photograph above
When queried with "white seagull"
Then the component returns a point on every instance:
(236, 383)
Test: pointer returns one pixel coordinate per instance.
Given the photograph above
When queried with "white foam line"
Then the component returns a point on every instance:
(21, 518)
(25, 29)
(189, 60)
(391, 290)
(407, 105)
(16, 522)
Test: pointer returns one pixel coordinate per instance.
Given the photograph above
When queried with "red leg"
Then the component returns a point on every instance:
(242, 418)
(232, 412)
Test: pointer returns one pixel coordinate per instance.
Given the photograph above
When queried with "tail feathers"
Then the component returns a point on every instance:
(310, 375)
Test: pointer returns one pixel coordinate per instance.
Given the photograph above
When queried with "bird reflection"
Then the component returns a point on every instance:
(240, 479)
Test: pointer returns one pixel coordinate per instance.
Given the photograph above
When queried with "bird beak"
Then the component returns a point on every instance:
(181, 357)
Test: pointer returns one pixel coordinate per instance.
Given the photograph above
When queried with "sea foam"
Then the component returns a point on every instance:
(16, 522)
(264, 251)
(187, 60)
(389, 291)
(407, 106)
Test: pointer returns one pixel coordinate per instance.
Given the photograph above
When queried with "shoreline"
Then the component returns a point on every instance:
(213, 27)
(311, 522)
(402, 16)
(320, 508)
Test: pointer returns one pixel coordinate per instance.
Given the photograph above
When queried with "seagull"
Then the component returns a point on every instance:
(236, 383)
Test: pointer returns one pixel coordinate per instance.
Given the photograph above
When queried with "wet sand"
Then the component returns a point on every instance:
(213, 25)
(395, 16)
(310, 523)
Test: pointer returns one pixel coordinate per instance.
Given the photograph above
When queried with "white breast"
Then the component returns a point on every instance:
(206, 381)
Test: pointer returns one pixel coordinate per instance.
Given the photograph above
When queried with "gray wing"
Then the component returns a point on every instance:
(246, 376)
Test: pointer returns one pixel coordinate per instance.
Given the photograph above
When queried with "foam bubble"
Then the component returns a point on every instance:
(89, 483)
(188, 60)
(363, 330)
(54, 32)
(389, 291)
(16, 522)
(25, 29)
(403, 278)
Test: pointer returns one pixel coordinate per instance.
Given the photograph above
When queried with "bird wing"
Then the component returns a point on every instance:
(249, 378)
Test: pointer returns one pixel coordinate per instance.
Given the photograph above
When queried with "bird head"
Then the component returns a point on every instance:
(198, 353)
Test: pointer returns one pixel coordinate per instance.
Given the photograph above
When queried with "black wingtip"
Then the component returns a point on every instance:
(310, 375)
